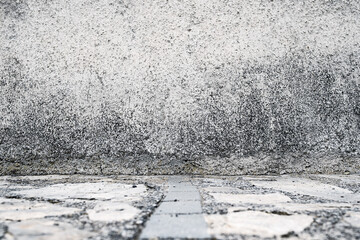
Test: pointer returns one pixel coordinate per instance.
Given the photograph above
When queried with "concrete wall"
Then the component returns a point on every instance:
(174, 86)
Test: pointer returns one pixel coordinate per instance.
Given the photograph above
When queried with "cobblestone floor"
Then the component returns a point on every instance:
(180, 207)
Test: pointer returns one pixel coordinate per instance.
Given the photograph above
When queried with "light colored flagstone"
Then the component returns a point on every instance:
(42, 177)
(271, 198)
(309, 187)
(301, 207)
(221, 189)
(256, 223)
(15, 209)
(349, 179)
(353, 218)
(98, 191)
(112, 211)
(45, 229)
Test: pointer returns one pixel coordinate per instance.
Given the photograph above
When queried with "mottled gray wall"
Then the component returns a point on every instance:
(173, 86)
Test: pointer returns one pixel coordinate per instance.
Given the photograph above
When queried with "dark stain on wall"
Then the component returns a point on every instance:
(15, 9)
(308, 111)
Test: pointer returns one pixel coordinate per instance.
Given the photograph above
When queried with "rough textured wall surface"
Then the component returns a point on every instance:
(178, 86)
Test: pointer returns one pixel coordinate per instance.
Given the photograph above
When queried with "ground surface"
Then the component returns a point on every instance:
(221, 207)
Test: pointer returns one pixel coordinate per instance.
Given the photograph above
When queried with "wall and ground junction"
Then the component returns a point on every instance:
(179, 86)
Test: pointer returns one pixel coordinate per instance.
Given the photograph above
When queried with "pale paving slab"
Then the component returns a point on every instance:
(309, 187)
(353, 218)
(276, 200)
(181, 207)
(15, 209)
(310, 207)
(183, 196)
(98, 190)
(112, 211)
(41, 177)
(45, 229)
(292, 208)
(182, 188)
(182, 226)
(256, 223)
(271, 198)
(350, 179)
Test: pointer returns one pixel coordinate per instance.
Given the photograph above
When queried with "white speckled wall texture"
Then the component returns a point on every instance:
(170, 86)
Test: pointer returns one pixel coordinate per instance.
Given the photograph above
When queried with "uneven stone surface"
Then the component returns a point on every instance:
(111, 211)
(101, 190)
(251, 198)
(176, 227)
(309, 187)
(17, 210)
(179, 218)
(257, 223)
(77, 207)
(316, 209)
(353, 218)
(179, 87)
(41, 229)
(179, 207)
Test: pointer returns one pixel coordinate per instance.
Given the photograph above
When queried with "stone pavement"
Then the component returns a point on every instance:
(180, 207)
(179, 215)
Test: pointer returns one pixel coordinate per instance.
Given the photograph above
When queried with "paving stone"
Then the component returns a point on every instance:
(111, 207)
(45, 229)
(182, 188)
(42, 177)
(353, 218)
(256, 223)
(349, 179)
(309, 187)
(310, 207)
(188, 207)
(112, 211)
(171, 226)
(272, 198)
(14, 209)
(97, 190)
(221, 189)
(178, 219)
(183, 196)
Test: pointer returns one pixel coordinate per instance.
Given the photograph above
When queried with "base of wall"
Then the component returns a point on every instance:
(152, 165)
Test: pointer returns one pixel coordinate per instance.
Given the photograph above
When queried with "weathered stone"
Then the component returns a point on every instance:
(110, 211)
(178, 219)
(310, 187)
(257, 223)
(176, 226)
(86, 191)
(14, 209)
(353, 218)
(183, 196)
(271, 198)
(303, 207)
(45, 229)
